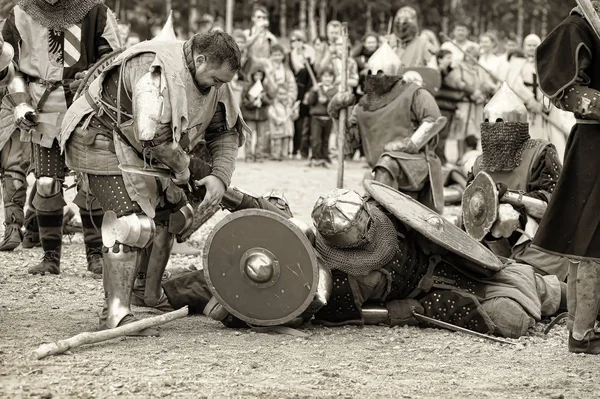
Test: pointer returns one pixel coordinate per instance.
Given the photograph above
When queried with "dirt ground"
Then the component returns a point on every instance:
(196, 357)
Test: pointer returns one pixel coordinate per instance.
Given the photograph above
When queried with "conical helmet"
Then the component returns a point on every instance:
(385, 60)
(505, 106)
(167, 34)
(341, 218)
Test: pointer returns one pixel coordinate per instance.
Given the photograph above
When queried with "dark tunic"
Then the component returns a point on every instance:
(571, 226)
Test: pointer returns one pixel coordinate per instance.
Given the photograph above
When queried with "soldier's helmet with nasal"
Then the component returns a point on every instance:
(504, 132)
(341, 217)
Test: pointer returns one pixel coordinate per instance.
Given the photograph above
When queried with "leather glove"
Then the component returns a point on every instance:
(405, 145)
(400, 312)
(339, 102)
(74, 86)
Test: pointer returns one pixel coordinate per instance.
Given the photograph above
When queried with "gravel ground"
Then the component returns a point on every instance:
(196, 357)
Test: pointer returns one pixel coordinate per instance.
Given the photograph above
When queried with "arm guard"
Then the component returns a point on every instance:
(222, 144)
(18, 98)
(583, 101)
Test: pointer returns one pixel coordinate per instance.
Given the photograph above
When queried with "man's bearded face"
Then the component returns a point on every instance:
(209, 75)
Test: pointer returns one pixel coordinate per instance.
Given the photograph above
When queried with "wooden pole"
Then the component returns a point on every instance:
(342, 120)
(87, 338)
(229, 17)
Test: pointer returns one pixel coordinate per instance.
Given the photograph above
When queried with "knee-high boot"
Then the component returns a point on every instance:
(92, 237)
(50, 227)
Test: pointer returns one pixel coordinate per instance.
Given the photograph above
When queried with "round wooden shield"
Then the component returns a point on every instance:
(471, 254)
(260, 267)
(480, 206)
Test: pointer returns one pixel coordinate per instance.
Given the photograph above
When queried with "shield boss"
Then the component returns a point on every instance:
(480, 206)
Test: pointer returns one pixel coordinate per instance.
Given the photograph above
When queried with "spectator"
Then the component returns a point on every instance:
(334, 60)
(279, 74)
(259, 39)
(318, 98)
(301, 58)
(412, 49)
(255, 102)
(334, 31)
(434, 46)
(369, 44)
(488, 44)
(461, 40)
(478, 88)
(281, 126)
(206, 23)
(237, 84)
(447, 99)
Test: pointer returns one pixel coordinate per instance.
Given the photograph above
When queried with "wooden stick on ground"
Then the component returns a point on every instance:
(87, 338)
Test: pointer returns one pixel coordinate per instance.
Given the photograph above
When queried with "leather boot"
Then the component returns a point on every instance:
(118, 277)
(12, 237)
(92, 237)
(50, 225)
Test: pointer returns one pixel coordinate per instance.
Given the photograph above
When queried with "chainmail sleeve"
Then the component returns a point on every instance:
(222, 145)
(545, 175)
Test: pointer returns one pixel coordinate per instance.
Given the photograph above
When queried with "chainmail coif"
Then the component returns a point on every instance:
(503, 145)
(59, 16)
(376, 250)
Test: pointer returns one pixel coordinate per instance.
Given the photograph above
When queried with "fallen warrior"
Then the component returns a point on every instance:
(367, 261)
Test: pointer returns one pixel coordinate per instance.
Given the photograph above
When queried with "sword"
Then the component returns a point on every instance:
(452, 327)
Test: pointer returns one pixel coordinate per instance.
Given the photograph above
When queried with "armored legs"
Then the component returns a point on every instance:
(49, 203)
(583, 303)
(14, 163)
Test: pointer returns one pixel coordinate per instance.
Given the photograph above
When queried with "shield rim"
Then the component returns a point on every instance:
(468, 192)
(369, 187)
(312, 255)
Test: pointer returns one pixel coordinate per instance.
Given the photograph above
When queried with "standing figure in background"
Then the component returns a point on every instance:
(477, 87)
(282, 115)
(302, 57)
(461, 39)
(412, 49)
(317, 99)
(256, 98)
(488, 44)
(259, 39)
(523, 79)
(55, 42)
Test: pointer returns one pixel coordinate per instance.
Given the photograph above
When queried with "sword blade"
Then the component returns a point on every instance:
(452, 327)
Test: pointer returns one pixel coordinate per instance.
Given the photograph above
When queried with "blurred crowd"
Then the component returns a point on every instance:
(286, 83)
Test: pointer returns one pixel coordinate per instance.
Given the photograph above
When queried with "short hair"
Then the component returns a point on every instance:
(491, 36)
(261, 8)
(218, 47)
(370, 34)
(462, 25)
(277, 47)
(298, 34)
(334, 24)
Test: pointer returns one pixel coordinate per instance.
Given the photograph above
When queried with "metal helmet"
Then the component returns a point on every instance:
(167, 33)
(504, 133)
(505, 106)
(384, 60)
(341, 218)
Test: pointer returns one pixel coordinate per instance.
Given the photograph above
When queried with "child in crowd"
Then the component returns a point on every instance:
(282, 114)
(279, 74)
(317, 98)
(256, 99)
